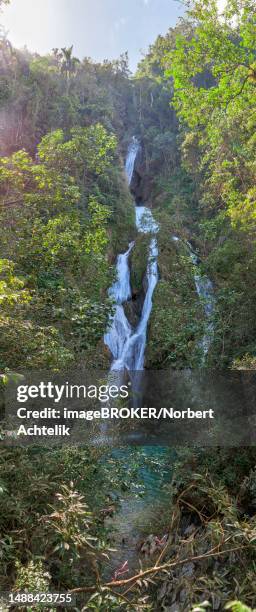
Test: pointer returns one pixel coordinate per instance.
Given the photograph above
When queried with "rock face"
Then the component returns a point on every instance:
(141, 184)
(133, 308)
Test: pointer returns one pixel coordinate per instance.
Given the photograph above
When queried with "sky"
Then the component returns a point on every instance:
(98, 29)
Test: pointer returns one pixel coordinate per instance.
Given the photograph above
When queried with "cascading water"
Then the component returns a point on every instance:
(120, 330)
(132, 356)
(126, 345)
(131, 158)
(204, 289)
(121, 289)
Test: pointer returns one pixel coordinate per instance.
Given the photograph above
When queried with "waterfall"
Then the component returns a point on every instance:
(204, 289)
(121, 289)
(134, 349)
(204, 286)
(119, 328)
(127, 346)
(131, 158)
(144, 220)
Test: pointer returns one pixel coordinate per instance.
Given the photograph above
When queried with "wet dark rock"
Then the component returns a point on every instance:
(141, 183)
(132, 310)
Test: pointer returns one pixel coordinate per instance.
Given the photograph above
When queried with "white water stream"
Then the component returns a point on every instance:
(127, 345)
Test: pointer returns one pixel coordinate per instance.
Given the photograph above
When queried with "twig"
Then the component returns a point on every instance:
(122, 596)
(170, 565)
(159, 568)
(203, 518)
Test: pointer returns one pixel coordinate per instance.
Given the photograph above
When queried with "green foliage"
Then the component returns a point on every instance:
(221, 531)
(213, 70)
(138, 262)
(11, 287)
(176, 321)
(221, 52)
(105, 601)
(65, 214)
(237, 606)
(43, 94)
(52, 506)
(33, 577)
(234, 606)
(212, 66)
(57, 239)
(29, 482)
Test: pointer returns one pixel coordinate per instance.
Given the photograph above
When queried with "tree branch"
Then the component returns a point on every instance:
(159, 568)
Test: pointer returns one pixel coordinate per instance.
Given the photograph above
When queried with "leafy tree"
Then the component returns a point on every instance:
(214, 80)
(215, 66)
(54, 232)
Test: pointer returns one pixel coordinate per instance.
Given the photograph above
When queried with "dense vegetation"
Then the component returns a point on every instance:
(65, 214)
(206, 187)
